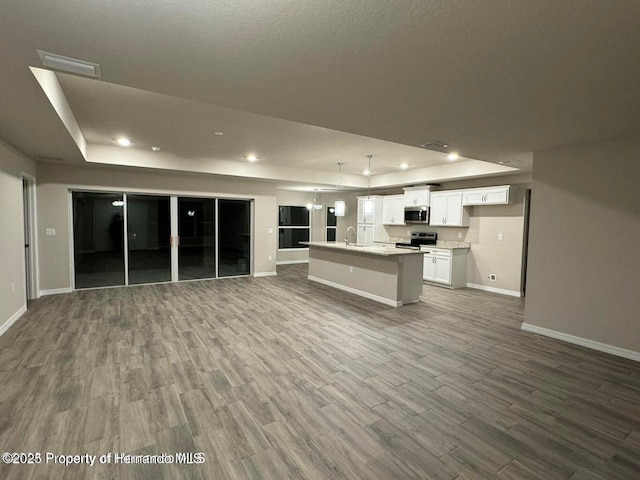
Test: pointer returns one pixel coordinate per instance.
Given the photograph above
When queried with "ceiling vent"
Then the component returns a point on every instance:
(41, 158)
(71, 65)
(436, 147)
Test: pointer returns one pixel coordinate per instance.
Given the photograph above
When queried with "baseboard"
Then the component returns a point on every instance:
(265, 274)
(502, 291)
(55, 291)
(12, 319)
(368, 295)
(291, 262)
(584, 342)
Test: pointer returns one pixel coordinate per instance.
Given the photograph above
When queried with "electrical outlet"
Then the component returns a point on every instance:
(50, 232)
(270, 230)
(350, 269)
(408, 233)
(270, 258)
(459, 234)
(492, 277)
(499, 236)
(13, 288)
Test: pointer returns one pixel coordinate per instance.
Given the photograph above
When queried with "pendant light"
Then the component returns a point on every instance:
(368, 203)
(369, 177)
(315, 206)
(340, 207)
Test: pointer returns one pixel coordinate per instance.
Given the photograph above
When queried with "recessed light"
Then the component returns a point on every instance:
(404, 165)
(156, 149)
(252, 158)
(453, 156)
(218, 133)
(123, 141)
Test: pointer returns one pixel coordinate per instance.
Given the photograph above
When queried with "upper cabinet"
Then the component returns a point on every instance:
(486, 196)
(416, 197)
(393, 210)
(370, 209)
(447, 209)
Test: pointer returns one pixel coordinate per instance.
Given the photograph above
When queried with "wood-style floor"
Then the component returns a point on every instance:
(278, 377)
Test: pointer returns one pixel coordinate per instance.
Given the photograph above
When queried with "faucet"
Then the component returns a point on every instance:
(346, 238)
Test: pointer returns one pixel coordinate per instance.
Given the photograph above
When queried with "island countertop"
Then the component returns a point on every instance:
(389, 275)
(364, 249)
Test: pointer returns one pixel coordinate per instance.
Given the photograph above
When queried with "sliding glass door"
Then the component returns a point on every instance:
(126, 239)
(197, 232)
(148, 239)
(98, 238)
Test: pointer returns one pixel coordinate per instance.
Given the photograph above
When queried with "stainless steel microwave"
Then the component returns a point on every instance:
(416, 215)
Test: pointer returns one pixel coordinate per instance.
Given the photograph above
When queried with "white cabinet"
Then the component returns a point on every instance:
(486, 196)
(447, 210)
(393, 210)
(369, 218)
(365, 234)
(416, 197)
(445, 267)
(370, 209)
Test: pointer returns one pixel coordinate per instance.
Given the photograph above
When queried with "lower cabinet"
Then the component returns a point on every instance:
(365, 234)
(445, 267)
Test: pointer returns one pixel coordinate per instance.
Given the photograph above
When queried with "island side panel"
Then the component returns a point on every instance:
(373, 274)
(410, 281)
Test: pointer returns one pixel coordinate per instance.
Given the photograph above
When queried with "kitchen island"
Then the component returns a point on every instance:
(389, 275)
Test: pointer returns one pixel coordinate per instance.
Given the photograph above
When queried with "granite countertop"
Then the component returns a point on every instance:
(448, 244)
(380, 250)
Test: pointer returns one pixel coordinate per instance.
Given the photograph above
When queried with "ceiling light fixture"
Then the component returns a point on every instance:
(156, 149)
(453, 156)
(315, 206)
(71, 65)
(404, 165)
(123, 141)
(340, 207)
(218, 133)
(252, 158)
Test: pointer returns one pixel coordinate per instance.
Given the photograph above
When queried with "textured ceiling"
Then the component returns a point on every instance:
(496, 79)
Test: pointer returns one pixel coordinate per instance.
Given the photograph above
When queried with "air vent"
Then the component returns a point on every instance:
(71, 65)
(50, 159)
(436, 147)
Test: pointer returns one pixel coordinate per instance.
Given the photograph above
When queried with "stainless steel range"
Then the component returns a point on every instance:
(419, 238)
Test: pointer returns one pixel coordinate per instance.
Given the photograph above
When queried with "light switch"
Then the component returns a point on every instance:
(50, 232)
(499, 236)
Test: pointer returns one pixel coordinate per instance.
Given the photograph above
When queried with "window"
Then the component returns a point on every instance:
(332, 224)
(294, 227)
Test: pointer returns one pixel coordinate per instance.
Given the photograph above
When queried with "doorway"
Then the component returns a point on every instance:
(30, 263)
(525, 241)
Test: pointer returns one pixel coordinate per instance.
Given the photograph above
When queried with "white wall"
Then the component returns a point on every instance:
(12, 266)
(584, 261)
(55, 180)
